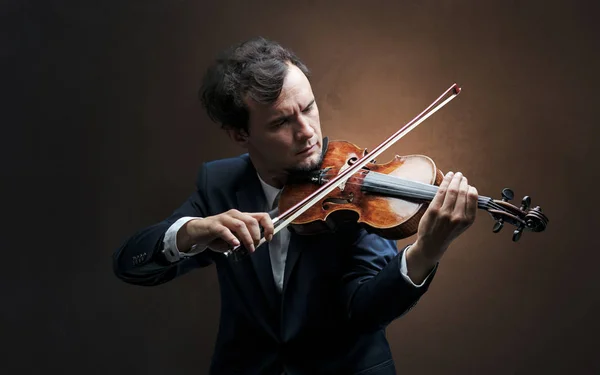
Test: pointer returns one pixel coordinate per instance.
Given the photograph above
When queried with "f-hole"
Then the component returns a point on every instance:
(338, 200)
(354, 159)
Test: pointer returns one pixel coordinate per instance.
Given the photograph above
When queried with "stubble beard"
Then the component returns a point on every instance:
(307, 168)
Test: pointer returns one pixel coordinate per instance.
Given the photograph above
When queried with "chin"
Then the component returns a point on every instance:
(308, 164)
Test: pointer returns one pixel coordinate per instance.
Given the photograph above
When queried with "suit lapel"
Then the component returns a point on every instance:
(294, 248)
(251, 198)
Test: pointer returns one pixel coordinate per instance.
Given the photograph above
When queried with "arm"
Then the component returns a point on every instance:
(140, 261)
(190, 239)
(376, 290)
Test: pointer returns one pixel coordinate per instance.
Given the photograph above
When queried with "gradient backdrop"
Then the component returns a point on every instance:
(103, 135)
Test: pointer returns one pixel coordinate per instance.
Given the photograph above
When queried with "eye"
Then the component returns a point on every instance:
(308, 109)
(279, 123)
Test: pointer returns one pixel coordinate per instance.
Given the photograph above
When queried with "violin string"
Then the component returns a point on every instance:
(413, 189)
(392, 181)
(406, 190)
(408, 186)
(484, 203)
(403, 187)
(481, 202)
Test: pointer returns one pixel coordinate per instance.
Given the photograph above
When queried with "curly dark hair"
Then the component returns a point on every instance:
(255, 67)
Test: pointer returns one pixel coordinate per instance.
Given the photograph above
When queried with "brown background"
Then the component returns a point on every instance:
(103, 134)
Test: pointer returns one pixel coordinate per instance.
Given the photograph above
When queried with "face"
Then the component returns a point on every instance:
(285, 136)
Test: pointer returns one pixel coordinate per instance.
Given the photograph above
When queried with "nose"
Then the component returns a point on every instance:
(304, 129)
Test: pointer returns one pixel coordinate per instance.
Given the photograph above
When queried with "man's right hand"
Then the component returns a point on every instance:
(225, 231)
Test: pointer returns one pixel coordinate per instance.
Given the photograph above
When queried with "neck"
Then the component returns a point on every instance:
(274, 179)
(397, 187)
(271, 176)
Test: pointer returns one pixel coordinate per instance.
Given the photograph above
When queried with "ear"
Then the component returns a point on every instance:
(237, 135)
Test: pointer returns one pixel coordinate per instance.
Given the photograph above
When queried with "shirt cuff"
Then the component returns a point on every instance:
(404, 270)
(170, 240)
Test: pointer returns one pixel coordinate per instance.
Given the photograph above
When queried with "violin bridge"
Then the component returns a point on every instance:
(342, 185)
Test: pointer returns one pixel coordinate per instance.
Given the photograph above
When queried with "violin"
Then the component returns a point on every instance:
(388, 199)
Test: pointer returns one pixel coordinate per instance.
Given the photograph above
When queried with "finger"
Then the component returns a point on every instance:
(220, 245)
(223, 233)
(460, 209)
(452, 193)
(266, 223)
(437, 201)
(241, 231)
(251, 225)
(472, 203)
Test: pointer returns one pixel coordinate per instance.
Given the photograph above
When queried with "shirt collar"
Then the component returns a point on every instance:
(270, 191)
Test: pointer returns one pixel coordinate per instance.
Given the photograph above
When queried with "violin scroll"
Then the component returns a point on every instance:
(521, 217)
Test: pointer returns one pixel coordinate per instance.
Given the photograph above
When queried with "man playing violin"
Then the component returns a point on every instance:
(298, 304)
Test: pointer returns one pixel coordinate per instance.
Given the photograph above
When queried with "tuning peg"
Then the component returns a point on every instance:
(517, 233)
(499, 224)
(507, 194)
(525, 203)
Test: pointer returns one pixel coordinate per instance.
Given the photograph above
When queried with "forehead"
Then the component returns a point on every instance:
(296, 93)
(295, 87)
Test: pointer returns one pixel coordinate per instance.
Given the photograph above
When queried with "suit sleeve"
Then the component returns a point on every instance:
(375, 290)
(139, 260)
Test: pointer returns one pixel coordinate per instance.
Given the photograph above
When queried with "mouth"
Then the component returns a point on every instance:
(306, 150)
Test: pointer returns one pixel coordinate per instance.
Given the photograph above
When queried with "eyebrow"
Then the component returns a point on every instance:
(280, 118)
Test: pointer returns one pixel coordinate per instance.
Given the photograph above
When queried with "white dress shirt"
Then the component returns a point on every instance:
(277, 247)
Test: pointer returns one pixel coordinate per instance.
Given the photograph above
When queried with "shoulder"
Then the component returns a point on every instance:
(227, 171)
(238, 163)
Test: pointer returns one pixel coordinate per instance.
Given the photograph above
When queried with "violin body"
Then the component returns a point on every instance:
(361, 198)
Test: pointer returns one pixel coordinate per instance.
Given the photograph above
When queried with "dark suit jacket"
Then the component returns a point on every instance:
(340, 292)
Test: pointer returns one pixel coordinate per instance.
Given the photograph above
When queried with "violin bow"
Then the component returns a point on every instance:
(284, 219)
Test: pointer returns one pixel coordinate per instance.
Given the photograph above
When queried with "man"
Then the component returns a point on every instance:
(298, 304)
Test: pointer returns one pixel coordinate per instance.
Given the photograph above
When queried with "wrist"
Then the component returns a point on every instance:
(186, 236)
(423, 253)
(419, 264)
